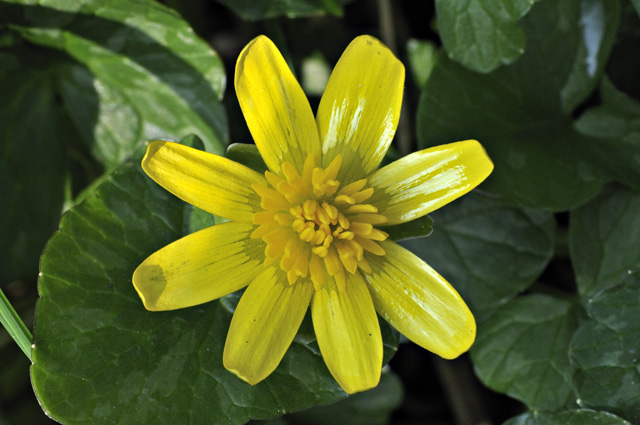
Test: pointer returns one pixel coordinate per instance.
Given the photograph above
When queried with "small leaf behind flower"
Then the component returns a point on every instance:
(247, 155)
(568, 417)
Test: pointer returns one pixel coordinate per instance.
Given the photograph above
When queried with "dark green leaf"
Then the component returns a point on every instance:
(145, 74)
(248, 155)
(193, 141)
(624, 65)
(569, 417)
(522, 113)
(605, 352)
(489, 251)
(603, 239)
(522, 351)
(482, 34)
(614, 131)
(417, 228)
(110, 126)
(32, 169)
(372, 407)
(101, 358)
(251, 10)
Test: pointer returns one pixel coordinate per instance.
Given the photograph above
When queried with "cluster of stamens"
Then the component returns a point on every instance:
(311, 226)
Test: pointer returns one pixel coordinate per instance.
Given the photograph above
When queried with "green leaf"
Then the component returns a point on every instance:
(603, 239)
(522, 351)
(614, 131)
(110, 127)
(141, 72)
(100, 357)
(417, 228)
(522, 113)
(251, 10)
(32, 168)
(569, 417)
(371, 407)
(623, 65)
(422, 56)
(123, 72)
(247, 155)
(489, 252)
(482, 34)
(605, 352)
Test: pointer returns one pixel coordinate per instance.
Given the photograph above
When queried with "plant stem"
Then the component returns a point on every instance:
(15, 326)
(460, 388)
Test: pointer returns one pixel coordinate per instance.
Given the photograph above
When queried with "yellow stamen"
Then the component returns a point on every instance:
(353, 187)
(346, 235)
(332, 170)
(345, 199)
(263, 217)
(290, 172)
(314, 227)
(361, 229)
(369, 218)
(316, 270)
(309, 208)
(363, 195)
(370, 246)
(362, 208)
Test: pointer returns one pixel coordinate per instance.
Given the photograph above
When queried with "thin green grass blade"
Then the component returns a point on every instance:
(15, 326)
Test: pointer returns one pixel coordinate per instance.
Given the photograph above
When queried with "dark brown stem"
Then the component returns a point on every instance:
(460, 386)
(388, 34)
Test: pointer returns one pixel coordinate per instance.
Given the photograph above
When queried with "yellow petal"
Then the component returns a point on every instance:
(426, 180)
(265, 322)
(200, 267)
(210, 182)
(419, 303)
(359, 110)
(348, 333)
(275, 107)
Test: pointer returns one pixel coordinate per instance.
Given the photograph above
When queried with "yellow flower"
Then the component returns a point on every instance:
(310, 231)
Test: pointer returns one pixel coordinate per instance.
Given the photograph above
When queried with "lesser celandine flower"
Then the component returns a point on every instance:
(311, 230)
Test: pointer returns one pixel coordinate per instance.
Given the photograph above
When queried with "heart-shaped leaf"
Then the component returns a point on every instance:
(100, 357)
(603, 239)
(606, 354)
(521, 113)
(482, 34)
(522, 351)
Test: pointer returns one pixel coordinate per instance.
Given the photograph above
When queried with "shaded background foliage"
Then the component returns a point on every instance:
(543, 252)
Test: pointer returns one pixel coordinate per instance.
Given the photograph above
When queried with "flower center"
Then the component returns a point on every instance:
(313, 227)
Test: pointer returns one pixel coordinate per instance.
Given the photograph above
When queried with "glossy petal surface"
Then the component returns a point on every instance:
(275, 107)
(426, 180)
(210, 182)
(348, 333)
(360, 107)
(419, 303)
(264, 324)
(199, 268)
